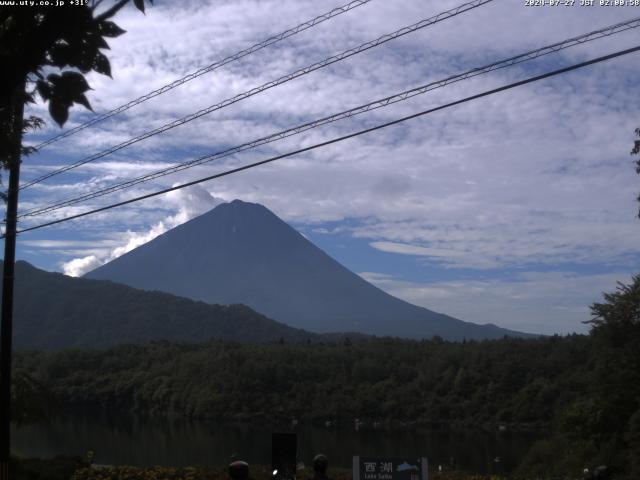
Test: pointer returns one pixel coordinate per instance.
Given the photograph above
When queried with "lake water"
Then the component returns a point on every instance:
(178, 442)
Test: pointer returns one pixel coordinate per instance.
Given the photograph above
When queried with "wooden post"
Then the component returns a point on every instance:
(6, 323)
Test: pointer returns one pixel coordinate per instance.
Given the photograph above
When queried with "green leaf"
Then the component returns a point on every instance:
(139, 5)
(54, 79)
(26, 151)
(84, 62)
(32, 123)
(110, 29)
(61, 55)
(101, 64)
(66, 90)
(75, 82)
(28, 97)
(59, 112)
(101, 42)
(82, 100)
(44, 89)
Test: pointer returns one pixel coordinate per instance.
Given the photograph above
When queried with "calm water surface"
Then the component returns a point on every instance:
(144, 442)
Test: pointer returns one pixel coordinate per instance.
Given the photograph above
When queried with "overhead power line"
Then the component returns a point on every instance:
(187, 78)
(342, 138)
(254, 91)
(398, 97)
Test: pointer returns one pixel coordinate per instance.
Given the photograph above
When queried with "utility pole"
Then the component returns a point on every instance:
(6, 323)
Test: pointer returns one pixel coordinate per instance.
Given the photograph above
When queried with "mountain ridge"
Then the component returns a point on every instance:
(243, 253)
(53, 311)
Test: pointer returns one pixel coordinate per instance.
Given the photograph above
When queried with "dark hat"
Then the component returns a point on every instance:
(239, 470)
(320, 463)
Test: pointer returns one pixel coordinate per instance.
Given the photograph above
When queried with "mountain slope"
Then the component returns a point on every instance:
(53, 311)
(242, 253)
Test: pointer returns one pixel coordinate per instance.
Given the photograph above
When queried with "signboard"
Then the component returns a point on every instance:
(370, 468)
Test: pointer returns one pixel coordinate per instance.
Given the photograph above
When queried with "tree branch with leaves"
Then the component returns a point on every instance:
(45, 51)
(49, 50)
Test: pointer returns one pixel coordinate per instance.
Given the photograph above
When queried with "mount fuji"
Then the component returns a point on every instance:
(241, 252)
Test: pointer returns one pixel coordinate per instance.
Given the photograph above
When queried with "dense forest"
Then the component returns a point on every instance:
(583, 390)
(519, 382)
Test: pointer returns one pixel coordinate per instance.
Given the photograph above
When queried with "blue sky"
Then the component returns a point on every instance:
(517, 209)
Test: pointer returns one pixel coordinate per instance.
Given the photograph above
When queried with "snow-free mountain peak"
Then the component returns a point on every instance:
(241, 252)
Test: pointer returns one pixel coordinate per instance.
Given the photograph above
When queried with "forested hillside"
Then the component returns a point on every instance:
(53, 311)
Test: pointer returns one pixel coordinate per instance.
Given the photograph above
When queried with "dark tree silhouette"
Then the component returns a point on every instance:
(45, 51)
(636, 151)
(621, 308)
(36, 40)
(616, 332)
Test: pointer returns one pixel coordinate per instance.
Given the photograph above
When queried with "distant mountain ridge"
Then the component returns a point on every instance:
(53, 311)
(242, 253)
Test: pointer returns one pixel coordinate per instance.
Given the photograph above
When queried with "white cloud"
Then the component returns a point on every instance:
(56, 244)
(405, 249)
(79, 266)
(536, 302)
(191, 203)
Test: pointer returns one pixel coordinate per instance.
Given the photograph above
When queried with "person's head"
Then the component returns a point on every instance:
(320, 463)
(239, 470)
